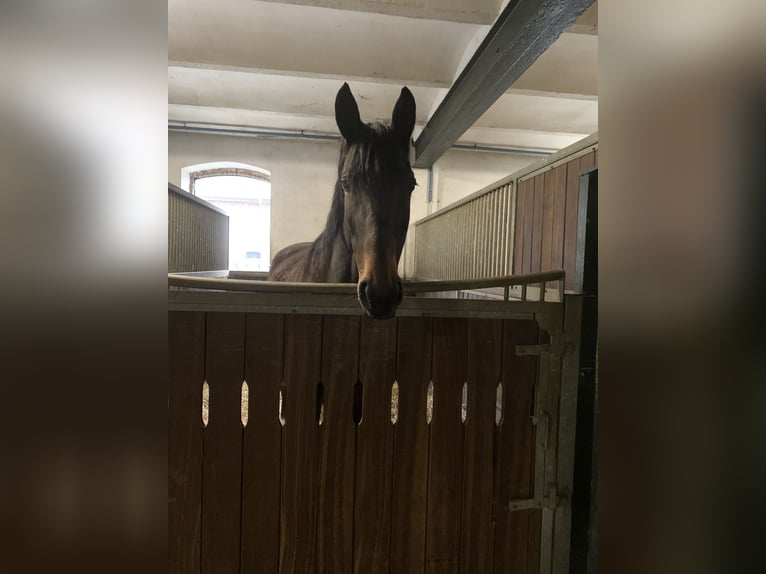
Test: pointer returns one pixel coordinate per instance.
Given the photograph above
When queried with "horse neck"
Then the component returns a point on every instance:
(333, 257)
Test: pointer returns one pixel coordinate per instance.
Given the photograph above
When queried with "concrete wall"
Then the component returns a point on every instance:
(303, 174)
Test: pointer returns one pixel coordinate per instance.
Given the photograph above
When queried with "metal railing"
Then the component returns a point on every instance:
(471, 239)
(529, 284)
(198, 233)
(474, 237)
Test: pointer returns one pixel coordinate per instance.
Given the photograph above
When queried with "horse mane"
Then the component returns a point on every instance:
(368, 158)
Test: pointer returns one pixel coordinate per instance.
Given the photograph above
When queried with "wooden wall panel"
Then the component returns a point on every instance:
(375, 449)
(545, 227)
(484, 373)
(518, 229)
(410, 477)
(446, 447)
(559, 177)
(529, 205)
(302, 359)
(186, 365)
(546, 256)
(337, 441)
(262, 448)
(515, 440)
(537, 224)
(373, 497)
(222, 462)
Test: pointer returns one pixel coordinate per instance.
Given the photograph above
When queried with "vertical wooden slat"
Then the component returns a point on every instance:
(465, 245)
(496, 241)
(569, 370)
(503, 231)
(559, 213)
(490, 238)
(299, 444)
(410, 477)
(510, 218)
(446, 447)
(375, 449)
(499, 239)
(587, 161)
(537, 224)
(262, 443)
(186, 366)
(484, 370)
(570, 225)
(518, 229)
(546, 256)
(549, 379)
(337, 440)
(222, 463)
(527, 216)
(515, 435)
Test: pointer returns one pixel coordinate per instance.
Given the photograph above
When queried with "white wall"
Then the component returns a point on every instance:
(460, 172)
(303, 174)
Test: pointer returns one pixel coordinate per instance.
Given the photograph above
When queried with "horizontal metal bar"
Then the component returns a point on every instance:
(334, 304)
(531, 503)
(196, 282)
(524, 350)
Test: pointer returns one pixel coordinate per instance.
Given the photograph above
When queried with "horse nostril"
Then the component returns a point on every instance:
(363, 290)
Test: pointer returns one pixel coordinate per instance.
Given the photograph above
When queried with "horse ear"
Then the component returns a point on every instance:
(347, 114)
(403, 119)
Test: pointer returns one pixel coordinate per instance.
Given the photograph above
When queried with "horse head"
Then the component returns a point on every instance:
(376, 178)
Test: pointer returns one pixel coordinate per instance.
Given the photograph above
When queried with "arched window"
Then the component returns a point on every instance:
(244, 193)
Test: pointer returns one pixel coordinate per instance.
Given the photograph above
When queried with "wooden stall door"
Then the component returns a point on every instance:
(343, 445)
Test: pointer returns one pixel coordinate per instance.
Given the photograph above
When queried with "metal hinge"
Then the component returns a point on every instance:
(552, 501)
(557, 347)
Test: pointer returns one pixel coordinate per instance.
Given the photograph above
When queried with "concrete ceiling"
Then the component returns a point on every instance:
(277, 65)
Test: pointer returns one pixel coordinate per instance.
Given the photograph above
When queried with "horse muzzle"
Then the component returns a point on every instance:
(380, 302)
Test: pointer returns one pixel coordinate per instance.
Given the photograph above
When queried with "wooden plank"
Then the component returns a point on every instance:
(518, 230)
(375, 449)
(337, 440)
(446, 447)
(410, 476)
(516, 436)
(537, 224)
(559, 212)
(529, 206)
(587, 161)
(575, 168)
(222, 463)
(570, 224)
(186, 369)
(484, 373)
(534, 541)
(302, 356)
(570, 369)
(546, 257)
(262, 448)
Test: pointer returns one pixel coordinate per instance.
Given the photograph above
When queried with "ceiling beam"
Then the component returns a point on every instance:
(522, 32)
(483, 14)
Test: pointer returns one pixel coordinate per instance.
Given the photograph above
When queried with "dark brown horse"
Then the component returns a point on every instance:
(367, 225)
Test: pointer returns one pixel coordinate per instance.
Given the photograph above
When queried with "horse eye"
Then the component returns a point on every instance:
(344, 183)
